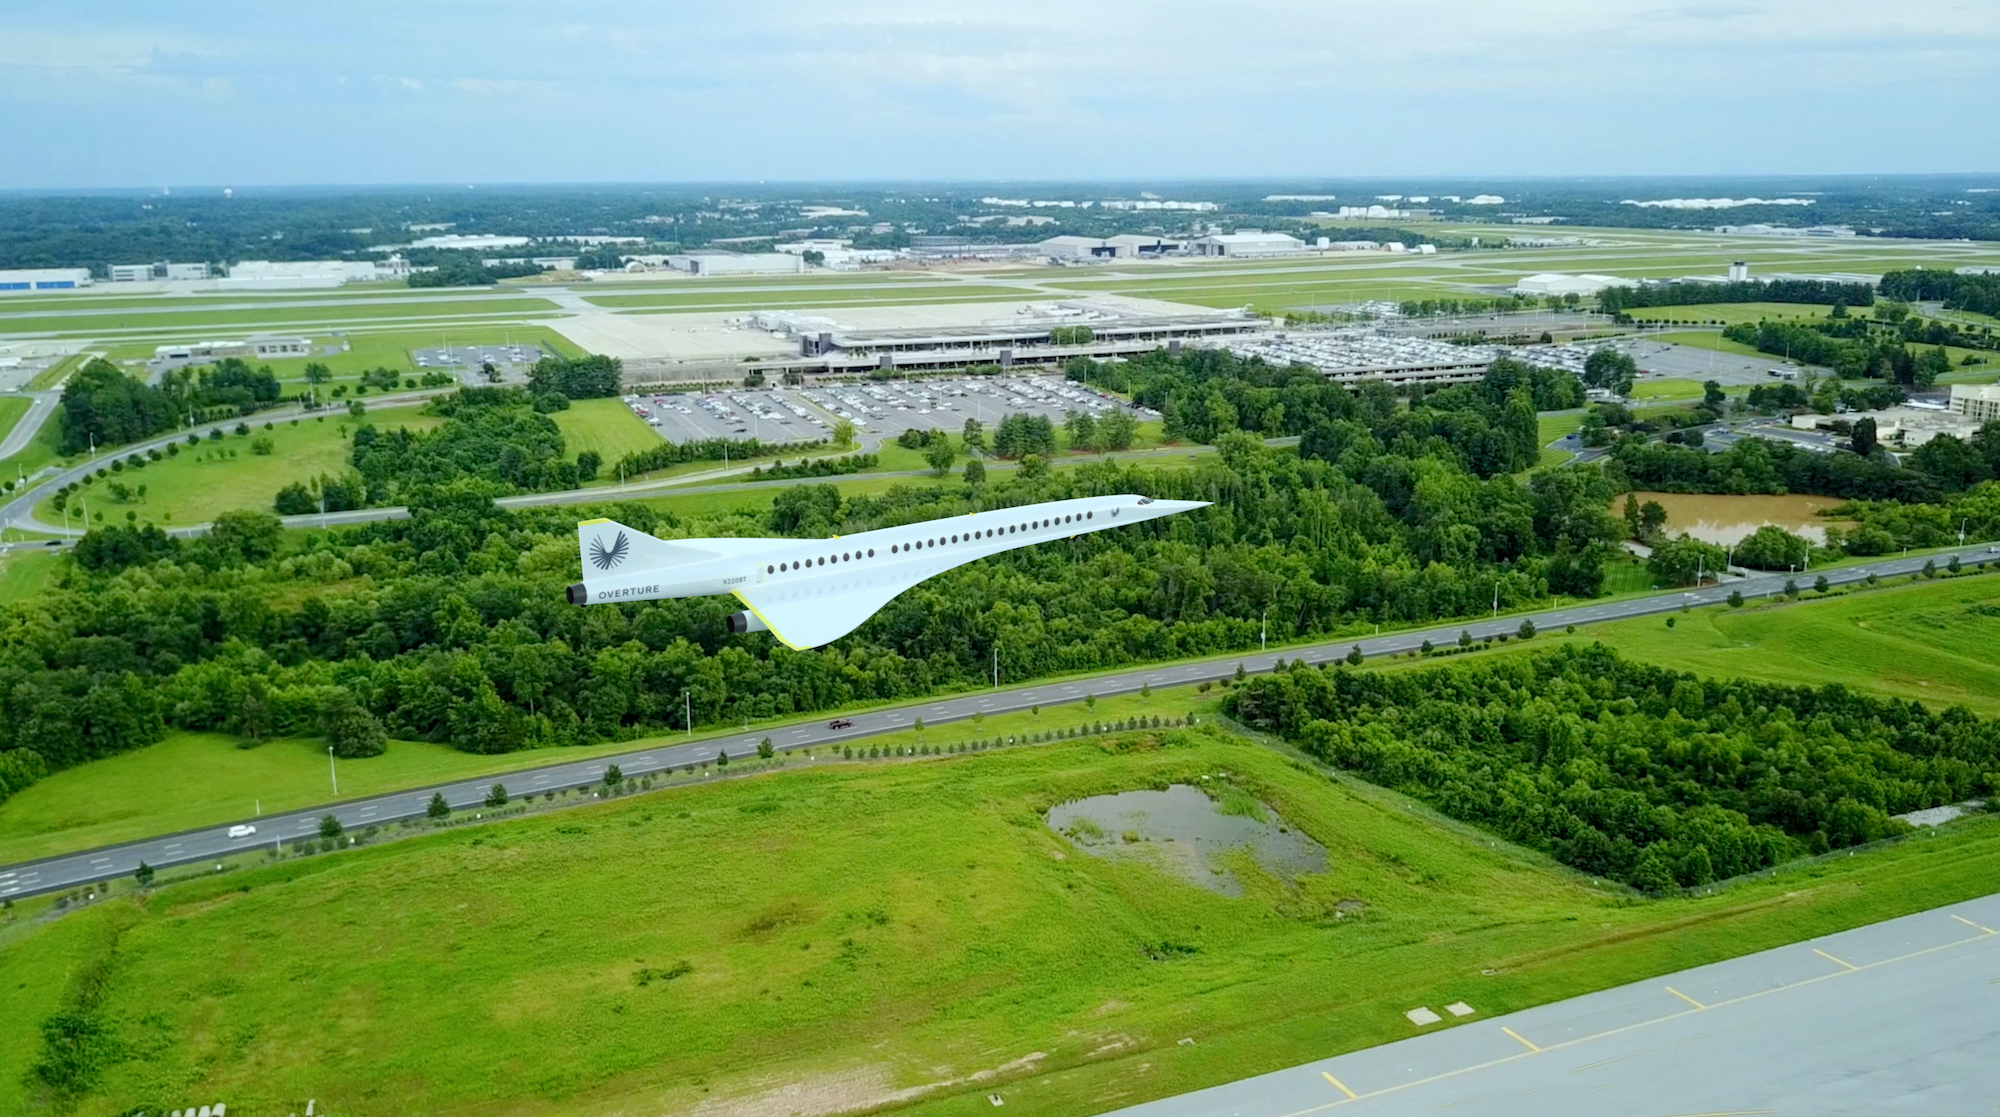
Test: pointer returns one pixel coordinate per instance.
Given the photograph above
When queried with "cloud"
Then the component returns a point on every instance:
(640, 89)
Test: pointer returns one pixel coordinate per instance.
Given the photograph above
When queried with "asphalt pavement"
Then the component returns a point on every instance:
(206, 843)
(1901, 1016)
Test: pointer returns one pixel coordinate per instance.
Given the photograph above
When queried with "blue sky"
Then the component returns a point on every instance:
(227, 92)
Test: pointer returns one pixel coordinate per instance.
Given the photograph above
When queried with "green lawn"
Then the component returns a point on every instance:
(45, 449)
(200, 481)
(828, 936)
(23, 574)
(53, 375)
(1704, 339)
(118, 799)
(12, 408)
(1649, 390)
(265, 318)
(606, 426)
(702, 299)
(1931, 641)
(1728, 314)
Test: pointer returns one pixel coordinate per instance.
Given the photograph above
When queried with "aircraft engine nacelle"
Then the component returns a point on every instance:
(745, 622)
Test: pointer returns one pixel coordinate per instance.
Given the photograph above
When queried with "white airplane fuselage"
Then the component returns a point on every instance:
(807, 574)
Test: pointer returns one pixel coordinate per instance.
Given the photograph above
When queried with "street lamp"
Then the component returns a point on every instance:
(331, 773)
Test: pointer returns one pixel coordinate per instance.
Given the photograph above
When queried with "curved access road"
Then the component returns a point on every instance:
(207, 843)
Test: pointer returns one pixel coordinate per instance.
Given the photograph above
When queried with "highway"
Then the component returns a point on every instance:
(70, 870)
(1901, 1016)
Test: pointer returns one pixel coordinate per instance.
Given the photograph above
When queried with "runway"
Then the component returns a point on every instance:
(207, 843)
(1896, 1017)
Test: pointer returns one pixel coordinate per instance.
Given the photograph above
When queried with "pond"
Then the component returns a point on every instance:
(1727, 520)
(1185, 832)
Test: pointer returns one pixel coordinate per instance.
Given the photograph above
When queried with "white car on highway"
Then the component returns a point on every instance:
(242, 831)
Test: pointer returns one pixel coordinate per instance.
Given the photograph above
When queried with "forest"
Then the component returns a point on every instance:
(451, 625)
(1652, 777)
(1979, 294)
(101, 406)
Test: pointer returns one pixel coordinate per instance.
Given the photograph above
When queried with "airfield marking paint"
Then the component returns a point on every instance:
(1970, 923)
(1442, 1075)
(1338, 1085)
(1851, 967)
(1685, 997)
(1531, 1047)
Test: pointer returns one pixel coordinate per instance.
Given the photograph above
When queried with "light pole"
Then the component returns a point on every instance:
(687, 705)
(330, 772)
(1263, 627)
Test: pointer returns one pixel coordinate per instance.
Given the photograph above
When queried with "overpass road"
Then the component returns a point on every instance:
(207, 843)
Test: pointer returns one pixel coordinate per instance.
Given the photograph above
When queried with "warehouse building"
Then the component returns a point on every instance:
(202, 352)
(1556, 283)
(1248, 242)
(146, 273)
(302, 275)
(737, 263)
(44, 279)
(1124, 246)
(1980, 402)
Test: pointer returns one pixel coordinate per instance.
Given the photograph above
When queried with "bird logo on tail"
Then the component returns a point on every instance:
(604, 558)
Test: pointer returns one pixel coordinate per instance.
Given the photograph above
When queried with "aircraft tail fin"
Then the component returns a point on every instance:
(607, 545)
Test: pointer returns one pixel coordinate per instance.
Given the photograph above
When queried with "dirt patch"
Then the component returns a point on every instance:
(1186, 833)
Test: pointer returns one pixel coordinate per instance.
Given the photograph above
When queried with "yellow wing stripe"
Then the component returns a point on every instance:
(587, 523)
(738, 595)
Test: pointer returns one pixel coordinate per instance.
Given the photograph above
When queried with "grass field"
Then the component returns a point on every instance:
(191, 487)
(1931, 641)
(1650, 390)
(54, 374)
(827, 938)
(1704, 339)
(606, 426)
(43, 450)
(117, 799)
(1553, 427)
(270, 317)
(1729, 314)
(23, 574)
(12, 408)
(808, 295)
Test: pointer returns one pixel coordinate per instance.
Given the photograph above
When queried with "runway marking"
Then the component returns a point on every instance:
(1851, 967)
(1662, 1047)
(1504, 1059)
(1970, 923)
(1685, 997)
(1339, 1085)
(1531, 1047)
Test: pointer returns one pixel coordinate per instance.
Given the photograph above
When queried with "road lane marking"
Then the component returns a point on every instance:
(1685, 997)
(1338, 1085)
(1970, 923)
(1850, 967)
(1517, 1035)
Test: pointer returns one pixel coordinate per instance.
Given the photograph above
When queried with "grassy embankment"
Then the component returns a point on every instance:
(134, 322)
(200, 481)
(829, 938)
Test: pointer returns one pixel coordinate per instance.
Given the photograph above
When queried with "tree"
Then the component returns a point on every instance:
(1527, 629)
(317, 373)
(940, 456)
(1863, 438)
(329, 826)
(350, 730)
(1609, 368)
(974, 436)
(144, 876)
(1736, 599)
(1791, 587)
(1082, 429)
(722, 758)
(588, 462)
(1116, 429)
(496, 796)
(1678, 561)
(612, 776)
(765, 750)
(438, 809)
(975, 472)
(1354, 655)
(843, 433)
(1033, 466)
(1712, 396)
(1464, 637)
(1821, 585)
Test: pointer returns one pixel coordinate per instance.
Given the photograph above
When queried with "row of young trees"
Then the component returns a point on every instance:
(1641, 774)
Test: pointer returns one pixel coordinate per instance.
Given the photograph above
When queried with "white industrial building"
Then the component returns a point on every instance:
(146, 273)
(199, 352)
(1977, 401)
(44, 279)
(1124, 246)
(298, 275)
(1556, 283)
(1248, 242)
(737, 263)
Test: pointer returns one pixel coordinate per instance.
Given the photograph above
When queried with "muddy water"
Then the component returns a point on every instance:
(1182, 831)
(1727, 520)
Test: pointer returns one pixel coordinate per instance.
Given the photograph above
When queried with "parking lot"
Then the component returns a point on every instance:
(887, 408)
(513, 361)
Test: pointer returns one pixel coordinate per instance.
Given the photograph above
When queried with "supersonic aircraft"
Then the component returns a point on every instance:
(809, 592)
